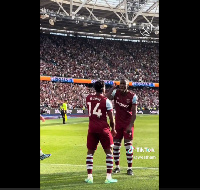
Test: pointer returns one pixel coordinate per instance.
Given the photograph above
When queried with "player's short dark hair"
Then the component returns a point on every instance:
(99, 85)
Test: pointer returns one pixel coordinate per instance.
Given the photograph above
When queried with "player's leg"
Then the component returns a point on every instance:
(92, 142)
(106, 140)
(62, 113)
(63, 117)
(116, 148)
(43, 156)
(89, 164)
(128, 143)
(41, 153)
(109, 165)
(116, 154)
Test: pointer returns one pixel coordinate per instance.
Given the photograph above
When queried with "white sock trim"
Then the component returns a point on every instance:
(108, 176)
(41, 153)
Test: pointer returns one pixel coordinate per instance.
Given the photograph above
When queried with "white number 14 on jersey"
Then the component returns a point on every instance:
(94, 112)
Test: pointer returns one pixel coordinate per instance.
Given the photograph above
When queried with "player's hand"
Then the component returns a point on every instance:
(114, 133)
(114, 86)
(129, 130)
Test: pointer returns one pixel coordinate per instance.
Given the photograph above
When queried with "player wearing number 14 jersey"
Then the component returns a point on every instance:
(99, 130)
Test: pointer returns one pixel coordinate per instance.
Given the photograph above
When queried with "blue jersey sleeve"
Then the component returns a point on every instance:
(134, 100)
(108, 105)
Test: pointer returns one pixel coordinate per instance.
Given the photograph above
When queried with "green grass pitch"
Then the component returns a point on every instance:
(66, 168)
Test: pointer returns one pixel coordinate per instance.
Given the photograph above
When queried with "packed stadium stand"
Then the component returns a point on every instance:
(98, 59)
(52, 95)
(77, 57)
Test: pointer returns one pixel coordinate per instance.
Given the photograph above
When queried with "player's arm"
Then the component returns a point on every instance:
(111, 118)
(134, 113)
(112, 123)
(109, 108)
(111, 92)
(61, 108)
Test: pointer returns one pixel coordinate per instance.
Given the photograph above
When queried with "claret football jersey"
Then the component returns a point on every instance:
(98, 106)
(123, 104)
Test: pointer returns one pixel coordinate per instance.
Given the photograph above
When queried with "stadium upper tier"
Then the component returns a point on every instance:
(76, 57)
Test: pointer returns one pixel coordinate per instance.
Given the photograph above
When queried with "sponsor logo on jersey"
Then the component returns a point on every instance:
(122, 105)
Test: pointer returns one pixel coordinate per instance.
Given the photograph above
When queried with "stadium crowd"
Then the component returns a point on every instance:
(98, 59)
(52, 95)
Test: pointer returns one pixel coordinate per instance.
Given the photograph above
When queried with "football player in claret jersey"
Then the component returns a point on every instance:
(99, 130)
(126, 108)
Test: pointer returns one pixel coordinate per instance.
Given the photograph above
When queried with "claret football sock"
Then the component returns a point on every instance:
(129, 154)
(89, 163)
(116, 152)
(109, 163)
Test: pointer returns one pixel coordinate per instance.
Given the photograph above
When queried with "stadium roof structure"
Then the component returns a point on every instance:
(132, 19)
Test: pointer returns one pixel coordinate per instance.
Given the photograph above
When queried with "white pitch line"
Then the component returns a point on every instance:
(78, 123)
(99, 166)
